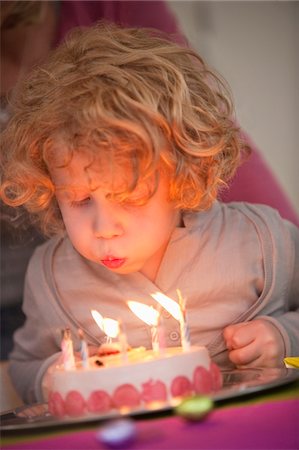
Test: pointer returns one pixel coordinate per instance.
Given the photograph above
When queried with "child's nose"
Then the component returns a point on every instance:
(106, 225)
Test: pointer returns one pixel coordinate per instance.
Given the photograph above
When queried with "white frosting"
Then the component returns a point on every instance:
(141, 367)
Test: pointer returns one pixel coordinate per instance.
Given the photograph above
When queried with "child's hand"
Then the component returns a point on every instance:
(254, 344)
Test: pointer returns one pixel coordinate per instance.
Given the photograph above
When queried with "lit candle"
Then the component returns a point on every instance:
(170, 305)
(112, 328)
(151, 317)
(67, 350)
(98, 318)
(185, 335)
(83, 349)
(107, 325)
(122, 337)
(178, 311)
(161, 333)
(155, 337)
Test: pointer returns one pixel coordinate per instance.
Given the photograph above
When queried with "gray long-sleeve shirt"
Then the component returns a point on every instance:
(233, 263)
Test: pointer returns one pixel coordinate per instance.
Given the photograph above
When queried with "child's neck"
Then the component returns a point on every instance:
(151, 268)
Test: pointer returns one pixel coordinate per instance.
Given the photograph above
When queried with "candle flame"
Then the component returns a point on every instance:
(148, 314)
(109, 326)
(98, 318)
(170, 305)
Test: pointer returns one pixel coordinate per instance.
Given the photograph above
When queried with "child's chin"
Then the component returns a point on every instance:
(126, 269)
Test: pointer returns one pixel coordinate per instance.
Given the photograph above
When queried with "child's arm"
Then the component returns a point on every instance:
(265, 341)
(37, 344)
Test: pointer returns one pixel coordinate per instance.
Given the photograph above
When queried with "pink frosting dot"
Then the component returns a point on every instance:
(202, 380)
(216, 376)
(126, 395)
(56, 404)
(154, 391)
(99, 401)
(181, 386)
(74, 404)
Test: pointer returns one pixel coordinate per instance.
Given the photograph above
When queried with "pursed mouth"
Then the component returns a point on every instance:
(112, 262)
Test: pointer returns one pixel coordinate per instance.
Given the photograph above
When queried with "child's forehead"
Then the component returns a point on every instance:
(82, 170)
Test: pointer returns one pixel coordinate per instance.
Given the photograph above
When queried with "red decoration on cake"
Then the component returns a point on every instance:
(109, 348)
(216, 376)
(181, 387)
(154, 391)
(99, 402)
(202, 380)
(74, 404)
(126, 395)
(56, 404)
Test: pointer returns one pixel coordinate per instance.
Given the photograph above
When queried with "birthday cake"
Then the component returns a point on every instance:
(140, 379)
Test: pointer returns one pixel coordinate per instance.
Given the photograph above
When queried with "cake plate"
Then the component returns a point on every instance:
(236, 383)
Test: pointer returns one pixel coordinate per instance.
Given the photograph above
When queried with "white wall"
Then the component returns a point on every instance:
(254, 45)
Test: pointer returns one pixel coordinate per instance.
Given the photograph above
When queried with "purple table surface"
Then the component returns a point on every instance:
(272, 425)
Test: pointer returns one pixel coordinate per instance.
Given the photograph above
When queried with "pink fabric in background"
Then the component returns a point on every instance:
(154, 14)
(272, 426)
(255, 183)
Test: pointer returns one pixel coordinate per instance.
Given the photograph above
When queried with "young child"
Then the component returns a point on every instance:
(118, 147)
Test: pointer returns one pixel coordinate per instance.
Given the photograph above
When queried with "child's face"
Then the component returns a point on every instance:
(123, 237)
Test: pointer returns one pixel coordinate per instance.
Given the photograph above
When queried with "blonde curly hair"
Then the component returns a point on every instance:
(128, 95)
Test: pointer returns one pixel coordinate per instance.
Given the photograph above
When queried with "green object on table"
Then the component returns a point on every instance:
(195, 408)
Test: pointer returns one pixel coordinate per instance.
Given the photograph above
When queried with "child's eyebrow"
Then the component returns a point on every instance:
(69, 187)
(69, 190)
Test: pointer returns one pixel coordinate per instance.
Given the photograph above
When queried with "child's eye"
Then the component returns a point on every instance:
(81, 202)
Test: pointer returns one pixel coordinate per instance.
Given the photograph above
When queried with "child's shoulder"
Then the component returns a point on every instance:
(241, 218)
(258, 214)
(254, 212)
(53, 248)
(264, 220)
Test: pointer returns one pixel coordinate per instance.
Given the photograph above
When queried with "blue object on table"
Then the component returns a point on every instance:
(117, 433)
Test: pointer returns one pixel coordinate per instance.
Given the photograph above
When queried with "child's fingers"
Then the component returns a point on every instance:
(245, 356)
(238, 335)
